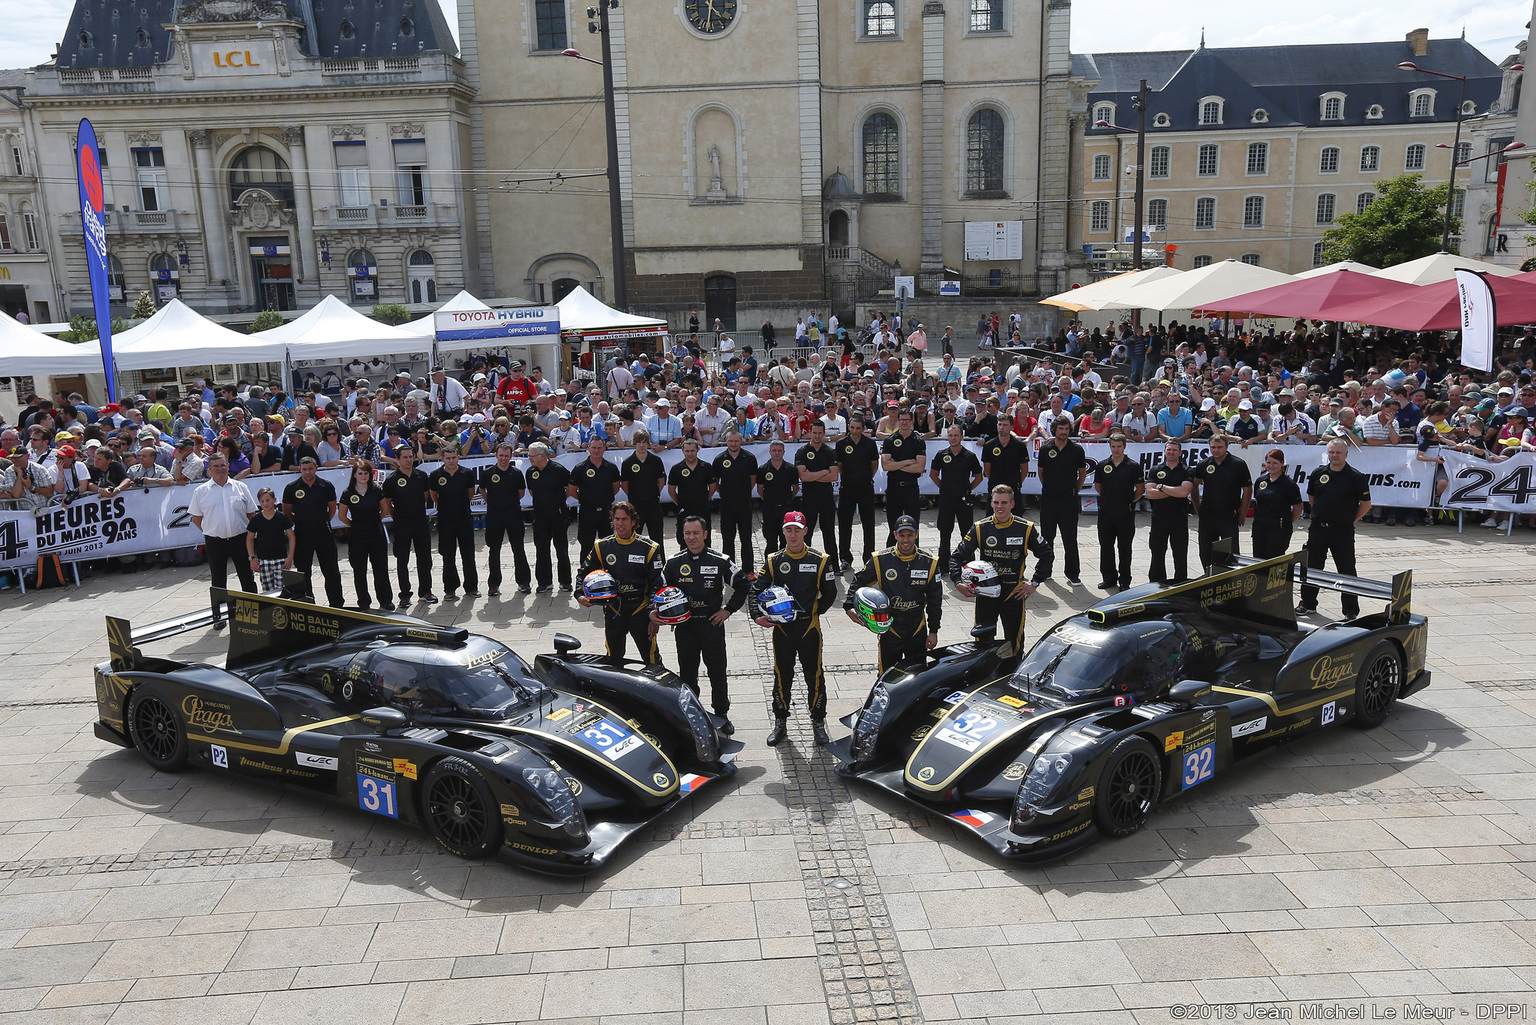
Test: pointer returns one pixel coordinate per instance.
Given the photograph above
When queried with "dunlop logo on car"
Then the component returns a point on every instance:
(1330, 672)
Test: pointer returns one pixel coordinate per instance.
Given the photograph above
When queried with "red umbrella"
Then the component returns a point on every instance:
(1437, 307)
(1317, 297)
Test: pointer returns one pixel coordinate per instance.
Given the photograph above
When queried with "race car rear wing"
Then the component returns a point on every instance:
(1398, 593)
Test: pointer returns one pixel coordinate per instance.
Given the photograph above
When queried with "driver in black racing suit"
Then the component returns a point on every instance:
(1006, 543)
(913, 580)
(811, 578)
(634, 561)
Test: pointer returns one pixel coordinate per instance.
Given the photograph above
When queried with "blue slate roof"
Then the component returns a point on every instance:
(1287, 82)
(124, 34)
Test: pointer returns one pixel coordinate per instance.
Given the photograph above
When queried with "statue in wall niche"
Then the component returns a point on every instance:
(716, 185)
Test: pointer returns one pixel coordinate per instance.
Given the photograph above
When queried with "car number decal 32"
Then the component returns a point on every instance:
(1199, 765)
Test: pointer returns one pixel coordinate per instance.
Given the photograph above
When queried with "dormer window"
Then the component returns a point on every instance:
(1260, 117)
(1421, 103)
(1332, 106)
(1210, 110)
(1161, 121)
(1373, 112)
(1468, 108)
(1104, 112)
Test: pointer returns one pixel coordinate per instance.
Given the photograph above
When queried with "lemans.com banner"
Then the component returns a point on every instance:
(1508, 486)
(156, 519)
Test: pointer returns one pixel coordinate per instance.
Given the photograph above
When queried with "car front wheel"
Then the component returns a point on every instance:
(461, 810)
(157, 729)
(1378, 685)
(1128, 788)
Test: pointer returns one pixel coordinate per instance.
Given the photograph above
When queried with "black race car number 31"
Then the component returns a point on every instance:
(377, 796)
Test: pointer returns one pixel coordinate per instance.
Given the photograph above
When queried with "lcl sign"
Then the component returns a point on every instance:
(235, 59)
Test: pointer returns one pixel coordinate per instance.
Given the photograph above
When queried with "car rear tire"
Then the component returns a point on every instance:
(460, 809)
(1377, 686)
(1129, 788)
(157, 729)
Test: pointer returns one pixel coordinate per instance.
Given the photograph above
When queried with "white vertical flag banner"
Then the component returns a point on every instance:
(1477, 320)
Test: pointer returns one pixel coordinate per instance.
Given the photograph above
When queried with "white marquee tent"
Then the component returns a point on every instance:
(332, 329)
(426, 327)
(583, 314)
(178, 336)
(26, 352)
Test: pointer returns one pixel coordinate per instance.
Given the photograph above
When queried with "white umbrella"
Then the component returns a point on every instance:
(1091, 297)
(1427, 270)
(1334, 268)
(1202, 289)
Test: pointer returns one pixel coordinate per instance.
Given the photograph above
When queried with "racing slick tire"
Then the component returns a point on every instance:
(157, 729)
(1129, 788)
(1378, 685)
(460, 809)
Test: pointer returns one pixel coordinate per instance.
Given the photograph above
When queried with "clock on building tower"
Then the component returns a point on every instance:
(710, 16)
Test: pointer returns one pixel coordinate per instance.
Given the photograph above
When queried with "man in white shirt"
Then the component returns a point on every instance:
(711, 421)
(773, 424)
(222, 507)
(447, 394)
(836, 426)
(619, 379)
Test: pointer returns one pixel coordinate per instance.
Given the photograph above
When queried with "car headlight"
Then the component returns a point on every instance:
(551, 788)
(867, 729)
(705, 743)
(1044, 773)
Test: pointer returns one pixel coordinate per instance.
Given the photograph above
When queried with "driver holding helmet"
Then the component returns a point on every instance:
(811, 579)
(911, 579)
(1006, 543)
(703, 574)
(634, 562)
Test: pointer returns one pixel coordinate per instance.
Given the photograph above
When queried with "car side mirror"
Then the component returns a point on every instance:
(1190, 692)
(565, 644)
(382, 720)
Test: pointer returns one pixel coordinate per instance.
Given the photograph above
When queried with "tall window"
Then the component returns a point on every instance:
(149, 165)
(1157, 214)
(1205, 212)
(1413, 158)
(984, 152)
(411, 171)
(260, 168)
(1253, 212)
(879, 18)
(986, 15)
(1258, 158)
(352, 173)
(549, 16)
(1463, 152)
(1370, 158)
(1326, 204)
(1424, 103)
(1158, 161)
(117, 281)
(1103, 167)
(882, 155)
(1098, 216)
(1364, 200)
(5, 233)
(421, 270)
(1458, 203)
(1251, 259)
(1317, 254)
(29, 227)
(1328, 162)
(17, 161)
(1209, 161)
(1202, 261)
(1104, 112)
(1333, 108)
(1210, 112)
(365, 276)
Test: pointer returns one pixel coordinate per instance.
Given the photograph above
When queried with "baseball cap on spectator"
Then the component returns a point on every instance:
(1209, 403)
(663, 402)
(183, 443)
(231, 418)
(565, 414)
(517, 364)
(290, 429)
(93, 445)
(405, 374)
(149, 434)
(1506, 390)
(478, 418)
(1519, 411)
(63, 436)
(111, 407)
(892, 404)
(819, 407)
(793, 518)
(68, 451)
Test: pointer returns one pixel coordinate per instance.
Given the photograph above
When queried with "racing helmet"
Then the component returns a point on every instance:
(778, 605)
(873, 609)
(982, 577)
(671, 606)
(598, 587)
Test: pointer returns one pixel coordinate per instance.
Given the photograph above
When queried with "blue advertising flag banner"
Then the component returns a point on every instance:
(93, 223)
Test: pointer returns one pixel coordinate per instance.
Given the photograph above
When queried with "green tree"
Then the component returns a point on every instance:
(391, 313)
(266, 320)
(83, 329)
(1404, 223)
(143, 306)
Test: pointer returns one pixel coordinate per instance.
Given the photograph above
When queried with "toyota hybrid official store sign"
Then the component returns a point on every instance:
(525, 323)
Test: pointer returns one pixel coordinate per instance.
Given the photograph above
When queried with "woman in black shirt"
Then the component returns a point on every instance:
(359, 510)
(1276, 507)
(270, 541)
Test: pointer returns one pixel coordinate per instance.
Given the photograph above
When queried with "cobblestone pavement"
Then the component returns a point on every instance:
(1350, 874)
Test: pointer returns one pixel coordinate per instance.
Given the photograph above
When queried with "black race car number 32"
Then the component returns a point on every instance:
(1199, 765)
(377, 796)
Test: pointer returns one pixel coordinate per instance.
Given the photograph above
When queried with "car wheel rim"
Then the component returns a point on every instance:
(155, 727)
(1381, 682)
(457, 812)
(1132, 790)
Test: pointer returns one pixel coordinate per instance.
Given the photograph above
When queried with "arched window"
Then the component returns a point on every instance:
(1370, 158)
(1251, 259)
(1103, 167)
(1104, 112)
(1326, 207)
(1205, 212)
(1413, 159)
(1422, 102)
(549, 24)
(1258, 158)
(984, 152)
(31, 232)
(1157, 215)
(1202, 261)
(5, 232)
(421, 277)
(1328, 162)
(1158, 161)
(257, 167)
(1253, 211)
(1210, 111)
(879, 18)
(1209, 162)
(1333, 107)
(882, 155)
(163, 276)
(1364, 200)
(117, 281)
(363, 272)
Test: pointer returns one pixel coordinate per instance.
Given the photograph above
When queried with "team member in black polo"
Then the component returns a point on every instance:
(405, 500)
(778, 482)
(1168, 488)
(453, 487)
(643, 477)
(956, 471)
(1005, 458)
(310, 502)
(735, 479)
(1062, 466)
(903, 457)
(548, 486)
(691, 485)
(635, 564)
(1276, 507)
(817, 463)
(503, 486)
(1118, 483)
(703, 574)
(594, 483)
(1340, 496)
(858, 457)
(913, 579)
(1223, 487)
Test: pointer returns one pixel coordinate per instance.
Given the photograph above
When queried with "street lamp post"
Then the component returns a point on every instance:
(1513, 147)
(1450, 196)
(615, 210)
(1140, 103)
